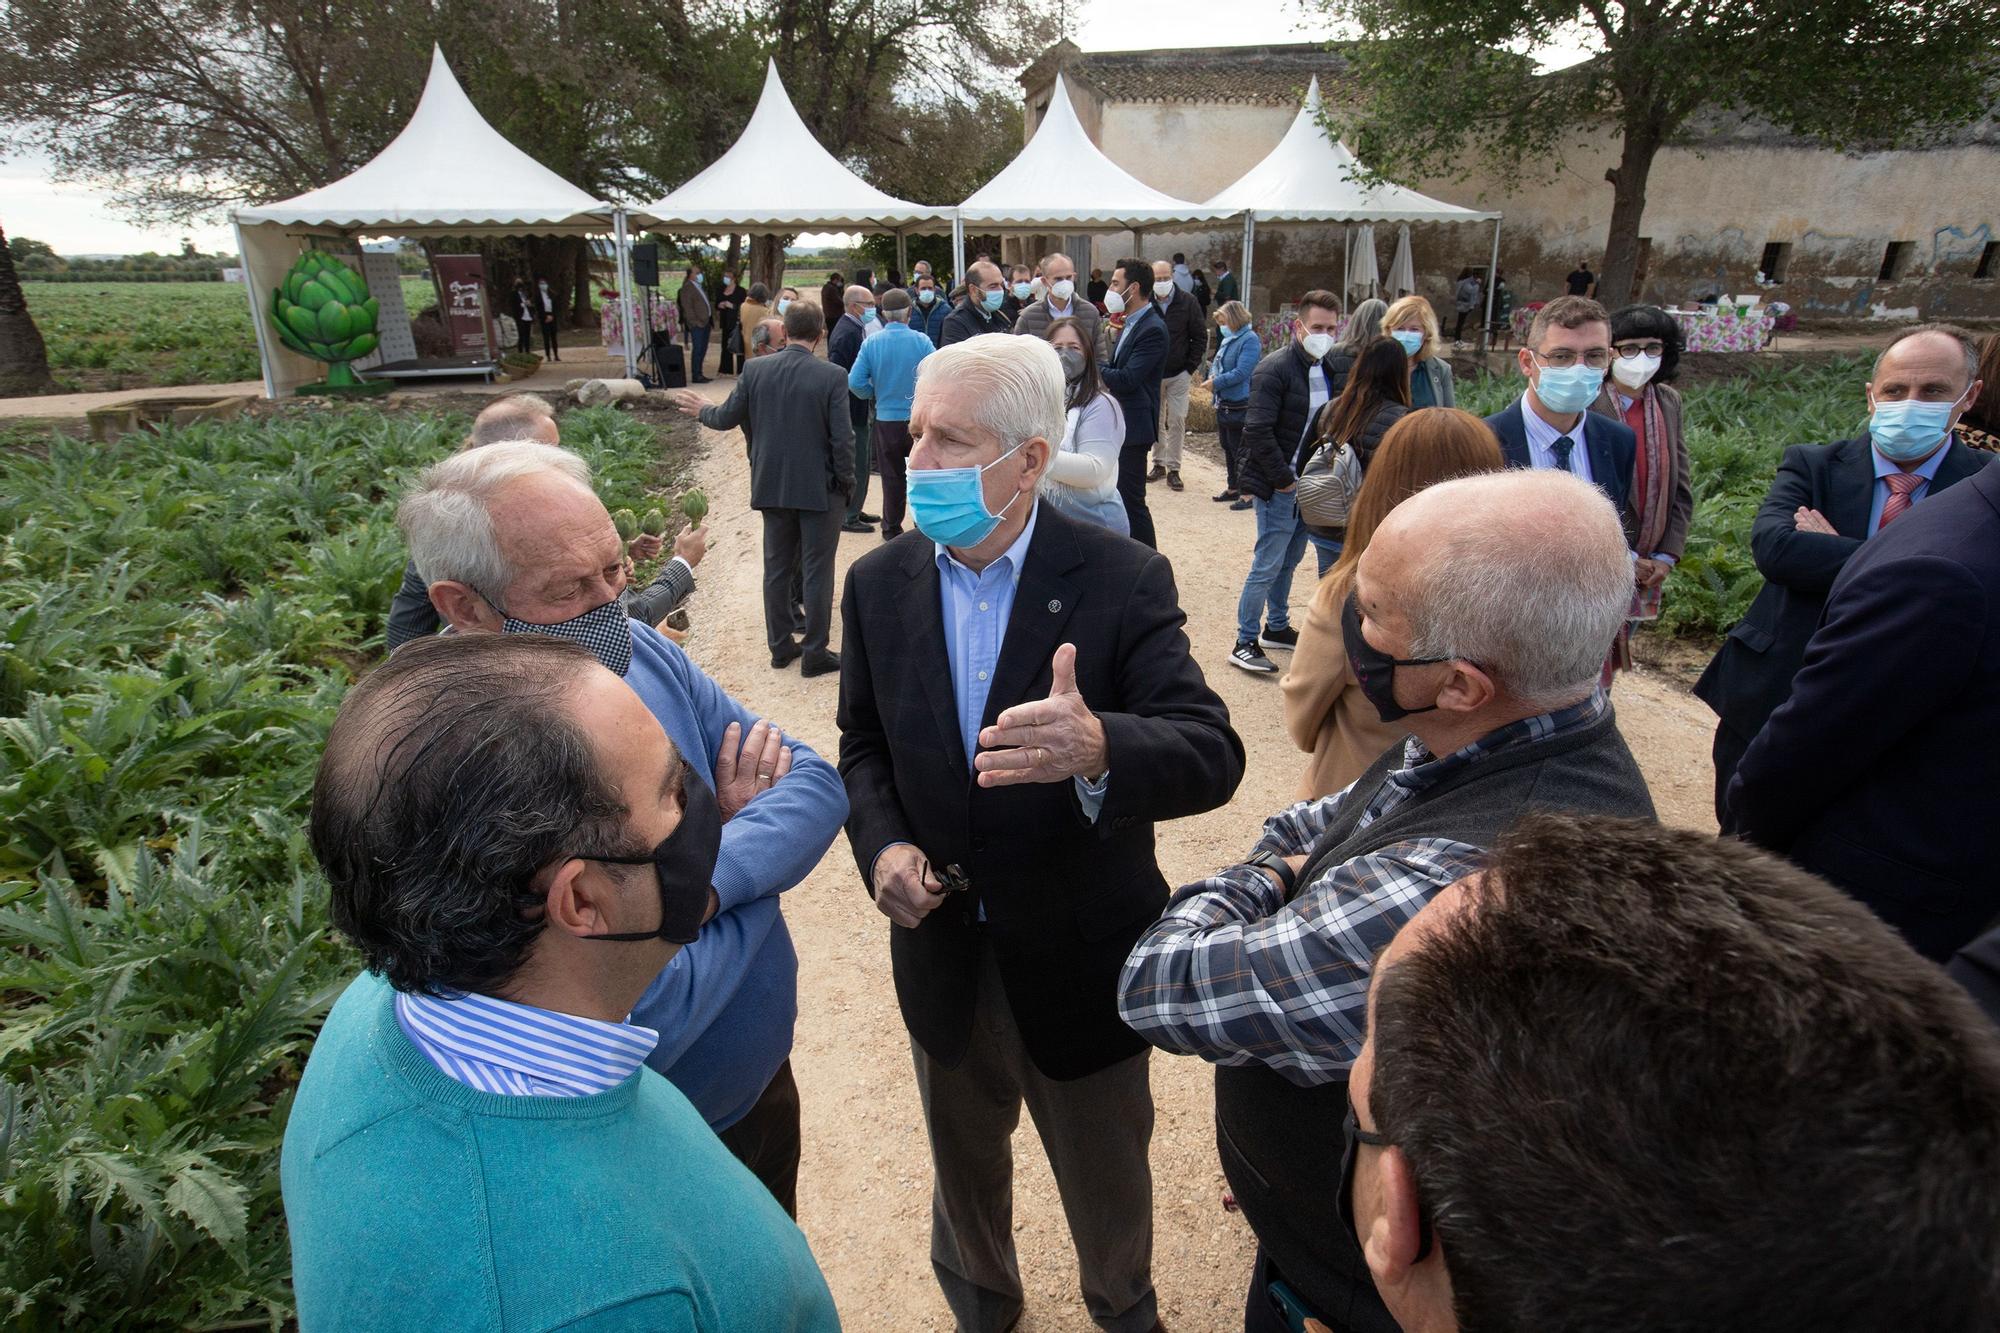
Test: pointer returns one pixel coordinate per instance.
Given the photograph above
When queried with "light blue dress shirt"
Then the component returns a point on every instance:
(517, 1050)
(1883, 467)
(1542, 437)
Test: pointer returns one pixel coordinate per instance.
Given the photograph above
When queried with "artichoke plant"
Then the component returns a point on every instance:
(323, 310)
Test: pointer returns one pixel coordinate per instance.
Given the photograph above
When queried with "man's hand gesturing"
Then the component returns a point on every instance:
(905, 890)
(1049, 740)
(749, 765)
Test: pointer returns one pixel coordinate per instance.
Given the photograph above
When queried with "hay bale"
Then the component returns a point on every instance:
(1201, 410)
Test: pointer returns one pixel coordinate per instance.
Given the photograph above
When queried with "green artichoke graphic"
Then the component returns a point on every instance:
(323, 310)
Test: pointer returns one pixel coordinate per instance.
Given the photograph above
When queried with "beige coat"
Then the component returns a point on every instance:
(1325, 712)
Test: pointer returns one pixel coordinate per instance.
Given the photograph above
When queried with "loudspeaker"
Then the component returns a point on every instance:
(646, 265)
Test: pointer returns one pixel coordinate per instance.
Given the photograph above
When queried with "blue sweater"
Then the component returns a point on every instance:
(724, 1007)
(1229, 372)
(418, 1203)
(886, 370)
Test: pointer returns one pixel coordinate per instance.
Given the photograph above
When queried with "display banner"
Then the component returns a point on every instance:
(461, 281)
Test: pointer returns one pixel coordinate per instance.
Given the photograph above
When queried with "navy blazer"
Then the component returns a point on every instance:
(1610, 445)
(1133, 375)
(1752, 672)
(1878, 772)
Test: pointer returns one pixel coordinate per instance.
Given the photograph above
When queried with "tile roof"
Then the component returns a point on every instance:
(1267, 75)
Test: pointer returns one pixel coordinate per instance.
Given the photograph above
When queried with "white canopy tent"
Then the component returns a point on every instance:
(1063, 181)
(1312, 177)
(449, 173)
(778, 177)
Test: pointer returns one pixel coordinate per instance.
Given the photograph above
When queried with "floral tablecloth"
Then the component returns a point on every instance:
(1726, 328)
(611, 321)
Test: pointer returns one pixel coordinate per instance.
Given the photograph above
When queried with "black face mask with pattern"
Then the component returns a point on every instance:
(606, 630)
(1374, 670)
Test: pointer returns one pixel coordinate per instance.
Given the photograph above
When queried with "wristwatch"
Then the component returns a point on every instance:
(1274, 863)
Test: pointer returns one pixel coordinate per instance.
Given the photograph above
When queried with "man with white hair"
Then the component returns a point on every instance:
(512, 540)
(1018, 707)
(1481, 614)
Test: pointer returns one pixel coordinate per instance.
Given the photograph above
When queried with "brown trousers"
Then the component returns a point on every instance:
(766, 1139)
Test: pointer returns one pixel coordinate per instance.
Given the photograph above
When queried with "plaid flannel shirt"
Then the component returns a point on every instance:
(1235, 974)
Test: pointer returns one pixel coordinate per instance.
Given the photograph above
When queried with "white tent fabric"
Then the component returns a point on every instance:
(778, 177)
(1309, 177)
(1063, 181)
(1402, 272)
(449, 173)
(1362, 274)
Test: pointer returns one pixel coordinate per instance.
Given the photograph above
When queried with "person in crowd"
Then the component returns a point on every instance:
(1979, 428)
(927, 316)
(755, 310)
(1236, 356)
(843, 347)
(1833, 1093)
(1875, 772)
(1412, 323)
(1567, 354)
(1178, 273)
(831, 299)
(1094, 291)
(1132, 369)
(527, 416)
(546, 313)
(1227, 289)
(767, 337)
(1066, 641)
(1203, 296)
(919, 271)
(792, 407)
(487, 1071)
(1059, 302)
(1501, 328)
(1327, 712)
(523, 306)
(1466, 297)
(514, 541)
(1375, 397)
(1826, 501)
(1581, 281)
(980, 311)
(865, 277)
(786, 296)
(696, 314)
(1020, 292)
(1646, 346)
(1363, 327)
(1082, 478)
(1478, 620)
(1288, 390)
(894, 278)
(885, 373)
(729, 301)
(1187, 344)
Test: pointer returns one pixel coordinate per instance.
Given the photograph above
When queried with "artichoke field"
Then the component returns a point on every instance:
(323, 310)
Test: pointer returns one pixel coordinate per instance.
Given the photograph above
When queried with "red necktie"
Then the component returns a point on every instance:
(1900, 486)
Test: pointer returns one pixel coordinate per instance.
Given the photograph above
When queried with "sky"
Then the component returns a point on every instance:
(77, 219)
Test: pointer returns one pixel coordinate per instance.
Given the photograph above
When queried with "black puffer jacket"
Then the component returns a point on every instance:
(1275, 439)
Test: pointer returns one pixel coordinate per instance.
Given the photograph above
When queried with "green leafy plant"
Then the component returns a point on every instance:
(323, 310)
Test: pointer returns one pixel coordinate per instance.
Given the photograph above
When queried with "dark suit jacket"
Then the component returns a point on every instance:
(1879, 772)
(968, 319)
(1610, 443)
(1752, 673)
(792, 407)
(1187, 333)
(843, 341)
(1065, 899)
(1133, 375)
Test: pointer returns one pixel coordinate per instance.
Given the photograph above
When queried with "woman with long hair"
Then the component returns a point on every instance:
(1325, 711)
(1375, 397)
(1082, 479)
(1363, 326)
(1413, 323)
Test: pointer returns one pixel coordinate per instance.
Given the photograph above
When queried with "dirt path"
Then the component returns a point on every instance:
(864, 1188)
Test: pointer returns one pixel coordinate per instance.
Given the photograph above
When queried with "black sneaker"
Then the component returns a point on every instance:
(1245, 503)
(786, 654)
(1227, 497)
(856, 525)
(1279, 638)
(1251, 658)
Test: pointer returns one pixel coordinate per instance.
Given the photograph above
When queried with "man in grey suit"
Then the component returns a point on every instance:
(792, 407)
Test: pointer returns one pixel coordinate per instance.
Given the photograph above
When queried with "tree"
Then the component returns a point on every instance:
(1438, 87)
(24, 360)
(25, 249)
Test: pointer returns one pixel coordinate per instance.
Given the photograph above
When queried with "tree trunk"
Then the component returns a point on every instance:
(767, 261)
(732, 258)
(1628, 209)
(582, 312)
(24, 358)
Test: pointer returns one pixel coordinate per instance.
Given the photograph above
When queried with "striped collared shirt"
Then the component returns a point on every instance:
(517, 1050)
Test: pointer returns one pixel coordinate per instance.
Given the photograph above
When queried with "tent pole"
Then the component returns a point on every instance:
(256, 312)
(625, 289)
(902, 252)
(957, 248)
(1249, 252)
(1346, 261)
(1492, 269)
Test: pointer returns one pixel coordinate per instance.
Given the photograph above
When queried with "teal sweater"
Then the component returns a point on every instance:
(416, 1202)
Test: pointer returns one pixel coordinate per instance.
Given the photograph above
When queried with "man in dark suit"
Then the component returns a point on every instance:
(979, 311)
(843, 346)
(1017, 709)
(792, 408)
(1827, 500)
(1187, 343)
(1137, 355)
(1878, 771)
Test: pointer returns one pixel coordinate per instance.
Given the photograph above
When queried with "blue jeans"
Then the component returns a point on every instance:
(1281, 544)
(697, 352)
(1328, 551)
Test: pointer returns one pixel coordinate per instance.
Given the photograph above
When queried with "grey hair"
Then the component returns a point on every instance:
(1365, 322)
(1016, 384)
(447, 520)
(1057, 254)
(1951, 331)
(1523, 573)
(510, 418)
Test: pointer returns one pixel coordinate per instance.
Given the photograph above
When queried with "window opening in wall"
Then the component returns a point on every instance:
(1896, 260)
(1777, 258)
(1989, 261)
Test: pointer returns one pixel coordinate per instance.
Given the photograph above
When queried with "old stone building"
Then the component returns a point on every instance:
(1886, 235)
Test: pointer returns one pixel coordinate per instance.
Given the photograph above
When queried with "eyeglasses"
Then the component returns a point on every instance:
(1597, 358)
(1626, 351)
(951, 877)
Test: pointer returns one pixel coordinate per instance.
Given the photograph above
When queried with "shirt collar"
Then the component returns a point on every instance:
(1927, 469)
(1016, 551)
(1422, 770)
(1064, 311)
(555, 1054)
(1540, 433)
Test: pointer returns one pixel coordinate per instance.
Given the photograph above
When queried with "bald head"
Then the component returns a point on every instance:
(857, 299)
(519, 416)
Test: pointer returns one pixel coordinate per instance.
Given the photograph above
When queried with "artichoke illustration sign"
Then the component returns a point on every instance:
(323, 310)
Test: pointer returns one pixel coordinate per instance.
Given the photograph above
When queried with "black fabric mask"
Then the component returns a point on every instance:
(1374, 670)
(1352, 1136)
(684, 865)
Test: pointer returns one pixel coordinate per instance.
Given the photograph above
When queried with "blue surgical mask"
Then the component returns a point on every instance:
(1411, 343)
(926, 296)
(1908, 430)
(1024, 291)
(783, 305)
(1569, 388)
(948, 504)
(992, 300)
(868, 315)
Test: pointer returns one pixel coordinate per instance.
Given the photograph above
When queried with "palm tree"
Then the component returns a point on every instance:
(24, 360)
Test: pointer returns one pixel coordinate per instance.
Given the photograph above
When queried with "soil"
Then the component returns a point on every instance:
(864, 1186)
